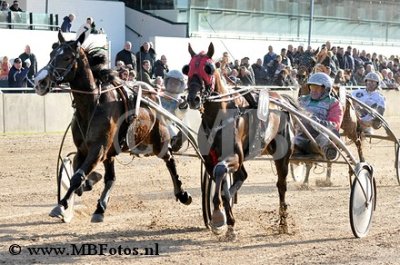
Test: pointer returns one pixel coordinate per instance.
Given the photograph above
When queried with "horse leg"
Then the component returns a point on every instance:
(307, 174)
(90, 181)
(180, 194)
(329, 173)
(238, 178)
(85, 168)
(282, 170)
(358, 142)
(218, 219)
(109, 179)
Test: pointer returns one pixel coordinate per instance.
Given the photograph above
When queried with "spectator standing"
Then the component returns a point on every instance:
(15, 7)
(285, 60)
(282, 78)
(251, 80)
(349, 60)
(339, 78)
(260, 73)
(269, 57)
(340, 57)
(29, 56)
(67, 23)
(359, 76)
(127, 56)
(144, 74)
(161, 67)
(275, 67)
(357, 59)
(89, 27)
(5, 6)
(146, 52)
(18, 75)
(5, 68)
(290, 54)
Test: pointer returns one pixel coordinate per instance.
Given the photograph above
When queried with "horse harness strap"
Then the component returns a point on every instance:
(212, 132)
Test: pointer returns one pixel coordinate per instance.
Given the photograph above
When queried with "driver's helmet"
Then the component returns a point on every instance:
(174, 82)
(321, 79)
(373, 77)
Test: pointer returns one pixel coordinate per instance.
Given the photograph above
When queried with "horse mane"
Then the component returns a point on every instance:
(97, 56)
(219, 83)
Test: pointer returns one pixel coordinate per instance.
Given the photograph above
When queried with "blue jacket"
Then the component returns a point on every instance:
(66, 25)
(18, 78)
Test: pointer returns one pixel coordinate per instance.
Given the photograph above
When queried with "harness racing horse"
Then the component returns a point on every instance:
(101, 121)
(229, 134)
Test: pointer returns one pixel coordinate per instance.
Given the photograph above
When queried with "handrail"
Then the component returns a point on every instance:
(12, 19)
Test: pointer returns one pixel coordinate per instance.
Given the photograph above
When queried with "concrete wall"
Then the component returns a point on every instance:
(26, 113)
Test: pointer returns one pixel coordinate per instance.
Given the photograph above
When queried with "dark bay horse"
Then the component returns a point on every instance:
(100, 122)
(229, 135)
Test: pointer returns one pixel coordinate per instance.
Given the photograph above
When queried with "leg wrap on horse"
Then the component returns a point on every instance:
(77, 179)
(220, 169)
(75, 183)
(105, 197)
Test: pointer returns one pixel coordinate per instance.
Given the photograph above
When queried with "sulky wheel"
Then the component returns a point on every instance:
(362, 202)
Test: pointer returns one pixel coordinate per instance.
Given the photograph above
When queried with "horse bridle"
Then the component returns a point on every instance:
(59, 73)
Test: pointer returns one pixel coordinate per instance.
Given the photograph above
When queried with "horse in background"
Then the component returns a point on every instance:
(101, 121)
(231, 133)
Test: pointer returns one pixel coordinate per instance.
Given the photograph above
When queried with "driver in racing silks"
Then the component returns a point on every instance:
(173, 101)
(374, 99)
(323, 108)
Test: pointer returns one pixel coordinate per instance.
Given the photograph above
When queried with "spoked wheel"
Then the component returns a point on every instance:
(397, 162)
(64, 176)
(208, 194)
(362, 203)
(298, 171)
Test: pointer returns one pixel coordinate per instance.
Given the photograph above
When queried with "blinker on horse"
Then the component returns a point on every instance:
(227, 137)
(99, 123)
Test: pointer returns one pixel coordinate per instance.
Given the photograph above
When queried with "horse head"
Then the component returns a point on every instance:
(201, 76)
(62, 66)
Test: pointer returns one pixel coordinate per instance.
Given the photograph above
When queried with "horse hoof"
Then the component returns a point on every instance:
(97, 218)
(60, 212)
(185, 198)
(79, 191)
(88, 185)
(57, 212)
(231, 234)
(283, 229)
(218, 222)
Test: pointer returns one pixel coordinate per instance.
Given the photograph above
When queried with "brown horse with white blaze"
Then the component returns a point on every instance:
(100, 121)
(230, 133)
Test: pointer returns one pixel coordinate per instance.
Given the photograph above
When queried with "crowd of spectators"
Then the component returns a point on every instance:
(347, 67)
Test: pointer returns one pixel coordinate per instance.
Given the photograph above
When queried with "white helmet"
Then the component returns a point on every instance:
(321, 79)
(373, 77)
(174, 87)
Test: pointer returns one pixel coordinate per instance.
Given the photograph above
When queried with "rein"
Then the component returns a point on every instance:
(93, 92)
